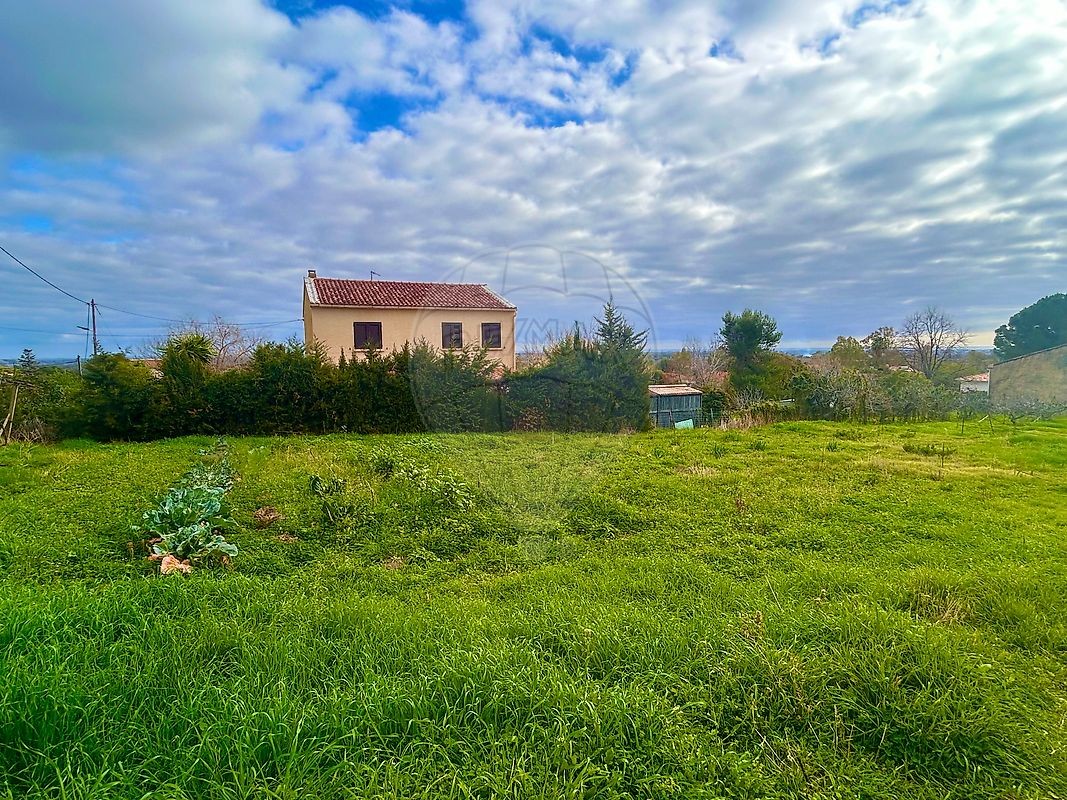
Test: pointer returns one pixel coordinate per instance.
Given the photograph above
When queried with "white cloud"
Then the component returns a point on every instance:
(126, 75)
(401, 54)
(835, 182)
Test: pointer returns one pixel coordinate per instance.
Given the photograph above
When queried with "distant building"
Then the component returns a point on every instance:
(155, 365)
(1040, 376)
(674, 403)
(975, 383)
(357, 316)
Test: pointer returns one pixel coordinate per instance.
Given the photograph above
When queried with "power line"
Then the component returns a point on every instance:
(267, 324)
(251, 324)
(135, 314)
(141, 332)
(37, 274)
(38, 330)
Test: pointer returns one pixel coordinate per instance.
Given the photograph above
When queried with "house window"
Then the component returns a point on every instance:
(491, 335)
(451, 335)
(367, 335)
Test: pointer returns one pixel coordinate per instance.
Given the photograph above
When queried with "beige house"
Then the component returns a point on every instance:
(355, 316)
(975, 383)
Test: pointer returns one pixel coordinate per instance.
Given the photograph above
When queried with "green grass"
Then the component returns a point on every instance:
(806, 610)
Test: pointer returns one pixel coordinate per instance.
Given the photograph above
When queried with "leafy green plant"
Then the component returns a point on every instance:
(185, 528)
(382, 462)
(332, 491)
(939, 450)
(325, 487)
(187, 523)
(217, 475)
(441, 488)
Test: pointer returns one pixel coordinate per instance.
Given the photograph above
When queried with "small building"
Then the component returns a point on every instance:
(975, 383)
(1038, 377)
(673, 403)
(356, 316)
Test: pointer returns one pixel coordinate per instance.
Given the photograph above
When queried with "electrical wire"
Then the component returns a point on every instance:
(37, 330)
(135, 314)
(37, 274)
(141, 332)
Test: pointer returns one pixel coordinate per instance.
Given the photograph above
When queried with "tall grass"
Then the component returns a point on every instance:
(670, 615)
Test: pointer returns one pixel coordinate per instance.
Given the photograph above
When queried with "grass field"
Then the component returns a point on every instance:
(806, 610)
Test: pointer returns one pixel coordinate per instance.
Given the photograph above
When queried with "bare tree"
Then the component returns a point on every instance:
(928, 338)
(708, 360)
(233, 344)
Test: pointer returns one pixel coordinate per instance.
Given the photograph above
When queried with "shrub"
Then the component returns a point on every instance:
(582, 385)
(453, 390)
(48, 407)
(118, 399)
(183, 402)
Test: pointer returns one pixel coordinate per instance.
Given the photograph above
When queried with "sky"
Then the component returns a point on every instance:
(837, 164)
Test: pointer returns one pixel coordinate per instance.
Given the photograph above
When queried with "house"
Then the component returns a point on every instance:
(673, 403)
(355, 316)
(975, 383)
(1039, 377)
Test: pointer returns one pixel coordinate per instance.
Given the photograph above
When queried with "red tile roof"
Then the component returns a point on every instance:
(402, 294)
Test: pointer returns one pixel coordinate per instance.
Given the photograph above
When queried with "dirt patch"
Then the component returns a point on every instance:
(266, 516)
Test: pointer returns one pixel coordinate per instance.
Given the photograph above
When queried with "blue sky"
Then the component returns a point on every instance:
(838, 164)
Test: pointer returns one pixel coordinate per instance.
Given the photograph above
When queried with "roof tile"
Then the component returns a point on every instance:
(402, 294)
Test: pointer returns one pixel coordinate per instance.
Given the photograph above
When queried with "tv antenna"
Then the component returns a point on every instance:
(373, 273)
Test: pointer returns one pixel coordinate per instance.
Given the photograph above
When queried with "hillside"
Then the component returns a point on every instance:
(803, 610)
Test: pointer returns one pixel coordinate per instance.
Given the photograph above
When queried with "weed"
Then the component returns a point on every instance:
(932, 450)
(847, 433)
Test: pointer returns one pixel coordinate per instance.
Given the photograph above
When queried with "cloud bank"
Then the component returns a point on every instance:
(837, 164)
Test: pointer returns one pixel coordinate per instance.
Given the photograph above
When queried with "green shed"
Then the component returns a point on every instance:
(674, 403)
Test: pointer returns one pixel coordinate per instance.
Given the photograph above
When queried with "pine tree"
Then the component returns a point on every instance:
(28, 369)
(614, 331)
(27, 363)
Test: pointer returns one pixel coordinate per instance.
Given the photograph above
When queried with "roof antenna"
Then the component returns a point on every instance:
(373, 273)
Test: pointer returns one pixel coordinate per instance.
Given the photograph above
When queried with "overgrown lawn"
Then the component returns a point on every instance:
(805, 610)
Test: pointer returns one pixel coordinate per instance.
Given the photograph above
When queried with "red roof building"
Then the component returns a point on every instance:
(356, 316)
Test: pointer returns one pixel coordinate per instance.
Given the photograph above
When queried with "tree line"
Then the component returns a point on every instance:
(597, 382)
(905, 373)
(211, 380)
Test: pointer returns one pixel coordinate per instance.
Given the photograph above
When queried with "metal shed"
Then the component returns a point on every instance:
(674, 403)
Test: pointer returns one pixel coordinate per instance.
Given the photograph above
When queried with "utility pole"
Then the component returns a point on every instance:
(9, 421)
(96, 342)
